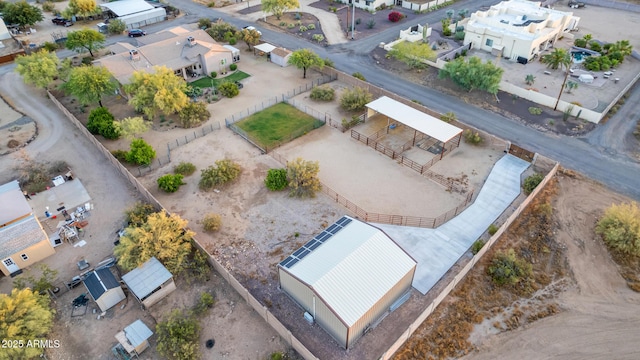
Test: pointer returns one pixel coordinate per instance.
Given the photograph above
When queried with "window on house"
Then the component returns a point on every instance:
(368, 3)
(489, 42)
(24, 257)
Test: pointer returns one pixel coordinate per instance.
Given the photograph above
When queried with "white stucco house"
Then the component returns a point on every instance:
(518, 29)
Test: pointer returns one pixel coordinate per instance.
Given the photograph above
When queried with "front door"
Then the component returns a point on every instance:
(10, 265)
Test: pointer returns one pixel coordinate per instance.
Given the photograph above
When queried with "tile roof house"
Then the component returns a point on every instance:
(23, 241)
(186, 52)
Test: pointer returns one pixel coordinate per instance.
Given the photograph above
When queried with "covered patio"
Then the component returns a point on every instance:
(422, 124)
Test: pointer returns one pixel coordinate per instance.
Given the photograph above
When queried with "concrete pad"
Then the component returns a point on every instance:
(436, 250)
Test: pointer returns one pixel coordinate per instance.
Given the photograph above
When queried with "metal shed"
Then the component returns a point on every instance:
(104, 288)
(280, 56)
(348, 278)
(149, 282)
(135, 338)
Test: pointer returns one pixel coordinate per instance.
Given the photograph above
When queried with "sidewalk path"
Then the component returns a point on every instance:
(436, 250)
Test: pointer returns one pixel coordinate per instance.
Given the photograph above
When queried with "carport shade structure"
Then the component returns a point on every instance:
(415, 119)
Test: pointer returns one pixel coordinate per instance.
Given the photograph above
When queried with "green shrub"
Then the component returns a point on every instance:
(359, 76)
(193, 114)
(531, 182)
(371, 23)
(492, 229)
(322, 93)
(317, 38)
(355, 99)
(276, 179)
(170, 183)
(348, 124)
(184, 168)
(233, 41)
(311, 26)
(205, 302)
(282, 23)
(101, 122)
(212, 222)
(233, 67)
(476, 246)
(50, 46)
(620, 228)
(140, 153)
(277, 356)
(290, 26)
(448, 117)
(459, 36)
(116, 26)
(204, 23)
(225, 171)
(328, 62)
(137, 215)
(472, 138)
(121, 155)
(178, 336)
(580, 43)
(229, 89)
(48, 6)
(508, 269)
(222, 31)
(303, 28)
(535, 110)
(213, 74)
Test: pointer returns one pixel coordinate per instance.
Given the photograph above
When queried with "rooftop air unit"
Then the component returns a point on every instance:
(191, 41)
(308, 317)
(134, 55)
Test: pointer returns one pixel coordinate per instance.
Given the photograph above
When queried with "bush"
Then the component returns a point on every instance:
(303, 28)
(184, 168)
(229, 89)
(233, 41)
(303, 178)
(476, 246)
(620, 228)
(276, 179)
(49, 46)
(531, 182)
(213, 74)
(535, 110)
(472, 138)
(371, 23)
(459, 36)
(225, 171)
(204, 23)
(211, 222)
(121, 155)
(48, 6)
(170, 183)
(328, 62)
(140, 153)
(508, 269)
(193, 114)
(448, 117)
(311, 26)
(492, 229)
(221, 31)
(346, 124)
(101, 123)
(317, 38)
(355, 99)
(137, 214)
(580, 43)
(395, 16)
(205, 302)
(178, 336)
(290, 26)
(322, 93)
(233, 67)
(116, 26)
(359, 76)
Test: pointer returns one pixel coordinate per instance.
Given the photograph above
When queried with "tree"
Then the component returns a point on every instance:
(162, 236)
(529, 79)
(161, 91)
(133, 127)
(229, 89)
(304, 59)
(39, 285)
(225, 171)
(140, 153)
(89, 83)
(24, 315)
(413, 54)
(194, 114)
(39, 68)
(251, 37)
(558, 58)
(170, 182)
(178, 336)
(101, 122)
(21, 13)
(473, 74)
(82, 8)
(508, 269)
(355, 99)
(85, 39)
(138, 214)
(620, 228)
(278, 7)
(116, 26)
(303, 178)
(220, 29)
(571, 85)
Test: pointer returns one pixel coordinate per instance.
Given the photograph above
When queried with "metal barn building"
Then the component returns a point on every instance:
(149, 282)
(347, 278)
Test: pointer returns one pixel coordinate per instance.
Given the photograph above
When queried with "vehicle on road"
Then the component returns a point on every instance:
(137, 33)
(576, 4)
(62, 21)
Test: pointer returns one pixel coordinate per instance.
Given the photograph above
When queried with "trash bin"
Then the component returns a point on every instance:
(616, 80)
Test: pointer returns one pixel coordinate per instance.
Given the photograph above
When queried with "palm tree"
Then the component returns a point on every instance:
(530, 79)
(623, 46)
(558, 58)
(571, 85)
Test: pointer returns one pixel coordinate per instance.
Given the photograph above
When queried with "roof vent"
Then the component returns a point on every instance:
(134, 55)
(308, 317)
(191, 41)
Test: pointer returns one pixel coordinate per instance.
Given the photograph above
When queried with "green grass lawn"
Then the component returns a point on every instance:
(278, 124)
(206, 81)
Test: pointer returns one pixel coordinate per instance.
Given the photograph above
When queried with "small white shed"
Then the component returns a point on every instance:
(135, 338)
(586, 78)
(104, 288)
(280, 56)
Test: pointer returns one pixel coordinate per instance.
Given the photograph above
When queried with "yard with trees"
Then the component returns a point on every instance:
(473, 74)
(21, 13)
(305, 59)
(85, 39)
(278, 7)
(39, 68)
(161, 92)
(89, 84)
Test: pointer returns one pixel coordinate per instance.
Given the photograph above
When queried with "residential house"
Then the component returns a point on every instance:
(518, 29)
(186, 52)
(23, 241)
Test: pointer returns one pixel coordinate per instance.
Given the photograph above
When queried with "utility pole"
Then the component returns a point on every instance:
(566, 75)
(353, 19)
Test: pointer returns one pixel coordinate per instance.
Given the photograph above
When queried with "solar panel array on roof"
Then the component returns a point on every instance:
(314, 243)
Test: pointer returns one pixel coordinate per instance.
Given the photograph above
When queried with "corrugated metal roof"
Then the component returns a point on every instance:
(13, 204)
(137, 333)
(146, 277)
(414, 119)
(99, 281)
(127, 7)
(354, 269)
(20, 235)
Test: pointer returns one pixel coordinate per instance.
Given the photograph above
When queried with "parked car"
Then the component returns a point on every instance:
(576, 4)
(62, 21)
(253, 28)
(239, 84)
(137, 33)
